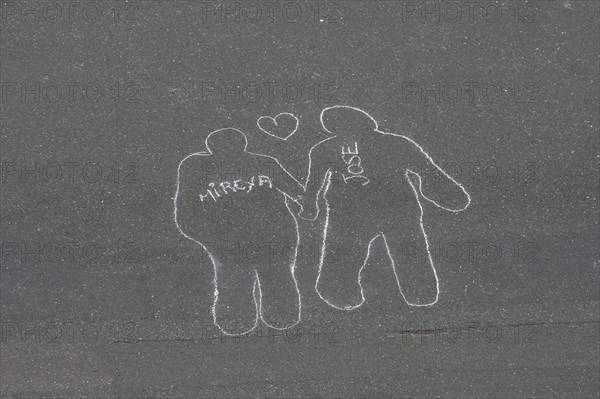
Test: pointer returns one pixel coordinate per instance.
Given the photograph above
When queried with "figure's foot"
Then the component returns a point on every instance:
(413, 268)
(280, 304)
(343, 296)
(235, 310)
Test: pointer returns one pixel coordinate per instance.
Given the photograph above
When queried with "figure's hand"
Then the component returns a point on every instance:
(308, 215)
(294, 205)
(311, 204)
(309, 211)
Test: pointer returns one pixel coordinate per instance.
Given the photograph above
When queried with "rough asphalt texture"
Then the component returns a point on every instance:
(101, 297)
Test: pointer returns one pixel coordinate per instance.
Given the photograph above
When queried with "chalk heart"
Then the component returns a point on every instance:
(282, 126)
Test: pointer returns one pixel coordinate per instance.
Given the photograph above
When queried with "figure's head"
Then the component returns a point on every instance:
(345, 121)
(228, 140)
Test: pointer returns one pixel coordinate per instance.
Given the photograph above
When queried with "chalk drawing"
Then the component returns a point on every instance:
(361, 206)
(278, 124)
(367, 172)
(249, 209)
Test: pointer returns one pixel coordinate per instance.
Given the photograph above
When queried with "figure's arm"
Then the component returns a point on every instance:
(319, 174)
(188, 190)
(285, 183)
(436, 185)
(189, 177)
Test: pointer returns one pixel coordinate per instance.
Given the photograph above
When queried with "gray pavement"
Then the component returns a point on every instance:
(101, 295)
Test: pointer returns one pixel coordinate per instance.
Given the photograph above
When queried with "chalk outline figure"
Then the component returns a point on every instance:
(274, 119)
(322, 191)
(257, 295)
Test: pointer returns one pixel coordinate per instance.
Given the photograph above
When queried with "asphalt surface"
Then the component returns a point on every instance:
(103, 297)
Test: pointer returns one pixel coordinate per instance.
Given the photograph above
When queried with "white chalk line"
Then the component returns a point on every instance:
(323, 189)
(274, 119)
(327, 173)
(325, 229)
(257, 303)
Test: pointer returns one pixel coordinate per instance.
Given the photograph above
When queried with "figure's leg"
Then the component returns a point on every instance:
(273, 255)
(235, 308)
(408, 249)
(279, 297)
(344, 253)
